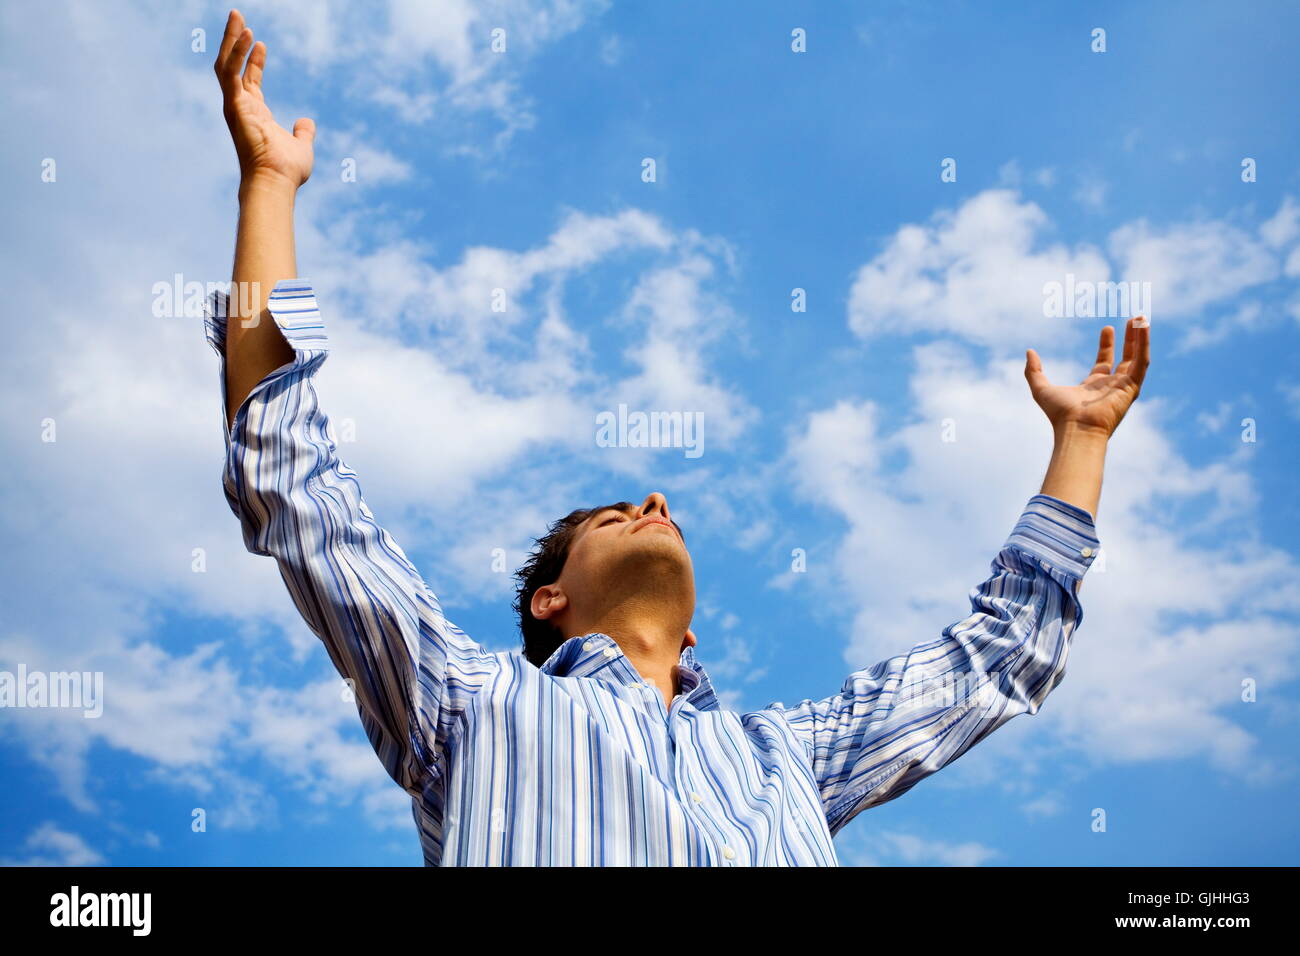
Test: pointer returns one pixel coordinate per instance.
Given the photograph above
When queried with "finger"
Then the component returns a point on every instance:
(1141, 353)
(305, 128)
(1034, 371)
(253, 70)
(235, 61)
(234, 27)
(1105, 351)
(1128, 339)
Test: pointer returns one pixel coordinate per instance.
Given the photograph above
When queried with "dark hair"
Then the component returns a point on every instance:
(543, 567)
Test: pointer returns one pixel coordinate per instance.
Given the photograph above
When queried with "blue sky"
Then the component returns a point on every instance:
(775, 171)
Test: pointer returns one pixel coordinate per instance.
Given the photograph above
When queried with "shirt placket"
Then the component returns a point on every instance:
(603, 654)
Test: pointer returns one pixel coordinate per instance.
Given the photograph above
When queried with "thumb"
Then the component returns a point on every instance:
(305, 129)
(1034, 371)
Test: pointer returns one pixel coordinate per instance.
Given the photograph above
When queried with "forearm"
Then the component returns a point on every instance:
(1074, 472)
(264, 254)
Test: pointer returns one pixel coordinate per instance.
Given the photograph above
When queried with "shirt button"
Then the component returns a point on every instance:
(611, 652)
(695, 796)
(729, 853)
(590, 645)
(1087, 552)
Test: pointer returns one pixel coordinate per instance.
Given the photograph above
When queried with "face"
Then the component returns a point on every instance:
(616, 556)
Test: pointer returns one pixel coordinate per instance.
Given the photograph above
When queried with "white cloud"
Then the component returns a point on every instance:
(1291, 393)
(977, 272)
(367, 163)
(1214, 421)
(1046, 805)
(48, 845)
(611, 50)
(1191, 265)
(1283, 229)
(444, 48)
(899, 848)
(299, 730)
(1249, 316)
(676, 318)
(1091, 193)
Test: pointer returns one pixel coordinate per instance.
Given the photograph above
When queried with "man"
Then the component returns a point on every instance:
(604, 743)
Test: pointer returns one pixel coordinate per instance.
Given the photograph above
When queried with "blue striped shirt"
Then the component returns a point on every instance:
(580, 762)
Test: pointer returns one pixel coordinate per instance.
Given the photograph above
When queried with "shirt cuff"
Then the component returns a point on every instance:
(292, 304)
(1060, 535)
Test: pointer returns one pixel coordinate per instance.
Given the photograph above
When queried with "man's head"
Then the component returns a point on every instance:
(598, 566)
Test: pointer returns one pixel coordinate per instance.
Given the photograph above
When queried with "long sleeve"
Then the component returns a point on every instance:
(896, 723)
(411, 670)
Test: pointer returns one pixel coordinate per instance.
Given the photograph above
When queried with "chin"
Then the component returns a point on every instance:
(657, 551)
(665, 542)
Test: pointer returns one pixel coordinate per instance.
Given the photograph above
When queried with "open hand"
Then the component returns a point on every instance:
(1099, 402)
(263, 145)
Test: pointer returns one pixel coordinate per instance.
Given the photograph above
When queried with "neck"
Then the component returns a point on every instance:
(653, 646)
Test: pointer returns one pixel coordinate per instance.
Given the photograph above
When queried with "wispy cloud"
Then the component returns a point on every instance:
(48, 845)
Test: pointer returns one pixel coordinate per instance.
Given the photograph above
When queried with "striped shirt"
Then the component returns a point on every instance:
(580, 762)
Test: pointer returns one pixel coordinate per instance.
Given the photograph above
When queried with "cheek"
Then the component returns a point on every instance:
(582, 559)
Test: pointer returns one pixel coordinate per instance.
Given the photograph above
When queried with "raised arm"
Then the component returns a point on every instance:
(895, 723)
(273, 163)
(412, 671)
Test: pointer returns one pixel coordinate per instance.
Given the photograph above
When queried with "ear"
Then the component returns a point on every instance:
(548, 601)
(689, 639)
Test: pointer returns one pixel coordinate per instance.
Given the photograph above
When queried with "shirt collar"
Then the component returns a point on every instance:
(600, 657)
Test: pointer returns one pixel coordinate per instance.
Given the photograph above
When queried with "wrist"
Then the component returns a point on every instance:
(1078, 433)
(265, 182)
(1075, 469)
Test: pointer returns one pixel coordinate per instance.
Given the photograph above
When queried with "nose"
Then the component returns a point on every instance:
(654, 503)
